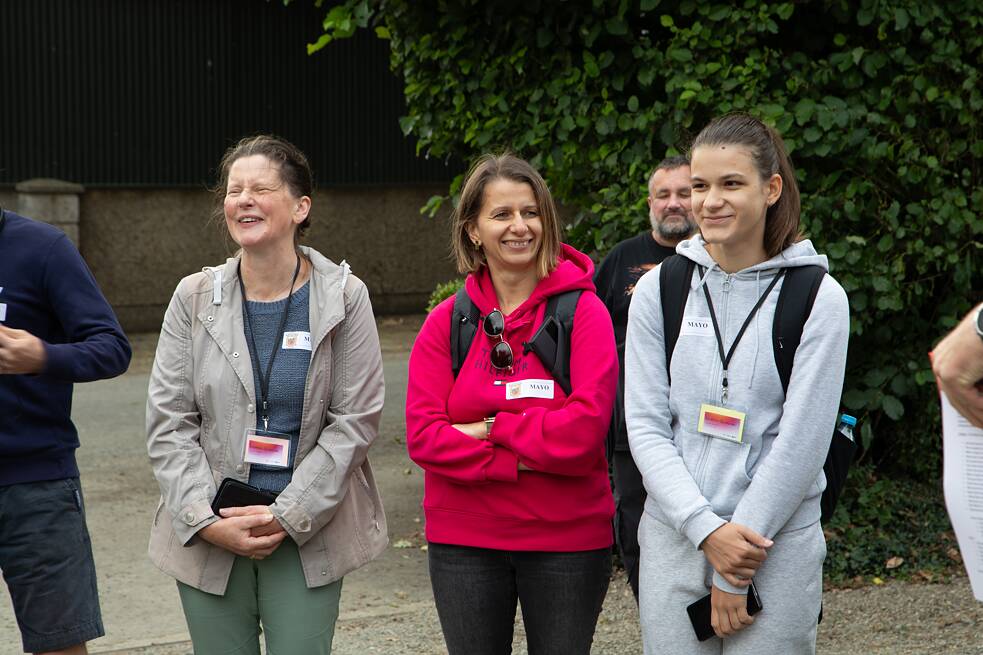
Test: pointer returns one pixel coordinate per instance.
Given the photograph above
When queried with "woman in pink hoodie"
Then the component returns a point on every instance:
(517, 500)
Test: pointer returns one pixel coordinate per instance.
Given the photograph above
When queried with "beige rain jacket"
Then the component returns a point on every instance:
(201, 400)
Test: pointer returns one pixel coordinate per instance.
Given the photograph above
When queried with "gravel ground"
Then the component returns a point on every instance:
(387, 607)
(897, 618)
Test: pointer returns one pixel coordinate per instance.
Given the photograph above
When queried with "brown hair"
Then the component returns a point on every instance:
(509, 167)
(770, 156)
(294, 170)
(670, 164)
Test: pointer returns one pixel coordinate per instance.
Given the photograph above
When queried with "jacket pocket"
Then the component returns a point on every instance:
(364, 484)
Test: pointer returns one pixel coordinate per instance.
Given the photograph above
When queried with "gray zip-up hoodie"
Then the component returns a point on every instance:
(772, 481)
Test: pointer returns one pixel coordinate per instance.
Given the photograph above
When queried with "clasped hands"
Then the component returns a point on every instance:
(250, 531)
(734, 551)
(479, 431)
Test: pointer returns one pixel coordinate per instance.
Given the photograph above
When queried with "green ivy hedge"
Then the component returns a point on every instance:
(878, 101)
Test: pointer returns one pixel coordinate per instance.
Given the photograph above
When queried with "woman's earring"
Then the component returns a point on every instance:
(477, 244)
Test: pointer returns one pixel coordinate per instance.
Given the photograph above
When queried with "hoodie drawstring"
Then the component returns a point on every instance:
(757, 332)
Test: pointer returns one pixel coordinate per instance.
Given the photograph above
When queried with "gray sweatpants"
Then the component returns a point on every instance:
(674, 574)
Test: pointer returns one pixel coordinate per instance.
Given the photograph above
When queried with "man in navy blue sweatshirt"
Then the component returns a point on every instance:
(56, 328)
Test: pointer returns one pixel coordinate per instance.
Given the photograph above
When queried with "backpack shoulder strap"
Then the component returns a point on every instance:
(795, 302)
(464, 325)
(562, 308)
(675, 277)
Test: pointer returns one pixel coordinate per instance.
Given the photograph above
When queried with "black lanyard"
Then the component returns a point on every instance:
(725, 359)
(264, 380)
(3, 218)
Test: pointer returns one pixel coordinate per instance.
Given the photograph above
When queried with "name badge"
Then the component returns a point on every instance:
(529, 389)
(721, 422)
(696, 327)
(3, 311)
(296, 340)
(263, 448)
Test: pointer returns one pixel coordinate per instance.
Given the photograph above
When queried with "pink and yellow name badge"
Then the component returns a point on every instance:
(267, 450)
(721, 422)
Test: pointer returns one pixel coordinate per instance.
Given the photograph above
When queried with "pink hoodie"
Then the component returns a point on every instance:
(474, 493)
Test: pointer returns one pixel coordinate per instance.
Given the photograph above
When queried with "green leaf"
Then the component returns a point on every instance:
(322, 41)
(616, 26)
(666, 20)
(892, 407)
(681, 55)
(804, 110)
(865, 16)
(649, 5)
(719, 13)
(855, 399)
(900, 18)
(590, 65)
(633, 104)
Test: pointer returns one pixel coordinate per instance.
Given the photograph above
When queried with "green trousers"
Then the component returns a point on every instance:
(270, 593)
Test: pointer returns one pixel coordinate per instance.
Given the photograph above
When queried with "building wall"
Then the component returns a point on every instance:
(140, 243)
(8, 199)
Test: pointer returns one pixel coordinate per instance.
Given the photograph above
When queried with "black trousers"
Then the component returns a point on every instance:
(476, 589)
(629, 500)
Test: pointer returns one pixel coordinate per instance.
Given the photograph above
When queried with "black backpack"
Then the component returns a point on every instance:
(795, 302)
(551, 343)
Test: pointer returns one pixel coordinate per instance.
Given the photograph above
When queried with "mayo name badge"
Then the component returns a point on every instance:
(529, 389)
(296, 340)
(696, 327)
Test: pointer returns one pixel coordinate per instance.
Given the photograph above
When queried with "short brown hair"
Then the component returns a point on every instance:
(295, 172)
(670, 164)
(508, 167)
(770, 156)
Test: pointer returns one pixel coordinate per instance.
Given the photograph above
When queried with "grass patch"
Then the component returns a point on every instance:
(889, 528)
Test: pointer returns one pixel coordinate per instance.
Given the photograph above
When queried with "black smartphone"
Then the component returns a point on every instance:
(699, 612)
(232, 493)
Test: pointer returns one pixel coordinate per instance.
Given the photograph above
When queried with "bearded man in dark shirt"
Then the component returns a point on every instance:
(672, 222)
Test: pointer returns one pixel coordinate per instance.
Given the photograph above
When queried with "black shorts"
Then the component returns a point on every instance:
(46, 560)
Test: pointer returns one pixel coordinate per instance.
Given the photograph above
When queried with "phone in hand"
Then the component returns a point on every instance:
(699, 612)
(232, 493)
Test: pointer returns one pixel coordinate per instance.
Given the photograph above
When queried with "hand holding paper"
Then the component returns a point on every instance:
(958, 365)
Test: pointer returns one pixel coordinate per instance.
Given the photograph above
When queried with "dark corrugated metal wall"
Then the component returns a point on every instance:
(151, 92)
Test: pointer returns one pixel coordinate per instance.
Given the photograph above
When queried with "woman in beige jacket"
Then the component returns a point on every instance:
(268, 372)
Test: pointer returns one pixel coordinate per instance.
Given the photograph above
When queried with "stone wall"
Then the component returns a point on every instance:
(140, 243)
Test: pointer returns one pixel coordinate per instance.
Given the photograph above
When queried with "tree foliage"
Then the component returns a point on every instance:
(878, 101)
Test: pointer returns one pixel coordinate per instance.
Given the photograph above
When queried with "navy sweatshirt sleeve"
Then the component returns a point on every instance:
(95, 346)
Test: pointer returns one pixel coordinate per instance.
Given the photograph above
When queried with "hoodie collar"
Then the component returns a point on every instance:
(574, 270)
(801, 253)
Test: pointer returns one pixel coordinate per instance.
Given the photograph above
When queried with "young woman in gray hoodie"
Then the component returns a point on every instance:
(731, 463)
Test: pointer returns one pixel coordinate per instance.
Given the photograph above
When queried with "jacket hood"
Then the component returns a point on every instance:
(801, 253)
(574, 270)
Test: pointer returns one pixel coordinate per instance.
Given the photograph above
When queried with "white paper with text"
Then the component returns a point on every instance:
(962, 452)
